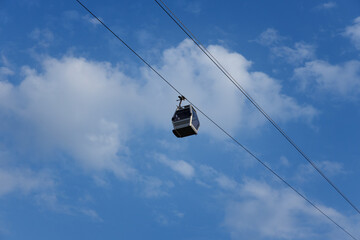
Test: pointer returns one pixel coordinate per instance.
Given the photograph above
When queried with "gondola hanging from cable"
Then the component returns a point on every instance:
(185, 120)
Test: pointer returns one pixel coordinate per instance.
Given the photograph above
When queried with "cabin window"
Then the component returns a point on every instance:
(181, 114)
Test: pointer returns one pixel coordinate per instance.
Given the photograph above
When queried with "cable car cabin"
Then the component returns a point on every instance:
(185, 121)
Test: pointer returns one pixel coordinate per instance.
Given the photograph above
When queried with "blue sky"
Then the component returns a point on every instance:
(86, 148)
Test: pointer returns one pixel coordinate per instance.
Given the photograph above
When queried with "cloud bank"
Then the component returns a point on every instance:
(265, 212)
(259, 209)
(90, 110)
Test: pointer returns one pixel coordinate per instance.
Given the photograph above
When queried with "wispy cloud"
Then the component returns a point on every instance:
(181, 167)
(92, 20)
(167, 217)
(6, 68)
(266, 212)
(332, 168)
(269, 37)
(353, 32)
(24, 180)
(327, 5)
(53, 201)
(284, 161)
(261, 210)
(153, 187)
(194, 7)
(295, 55)
(340, 80)
(43, 37)
(306, 173)
(41, 186)
(91, 213)
(4, 72)
(210, 176)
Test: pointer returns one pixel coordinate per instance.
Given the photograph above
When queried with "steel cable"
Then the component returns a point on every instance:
(247, 95)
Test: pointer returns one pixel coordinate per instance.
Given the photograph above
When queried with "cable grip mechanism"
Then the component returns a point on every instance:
(181, 98)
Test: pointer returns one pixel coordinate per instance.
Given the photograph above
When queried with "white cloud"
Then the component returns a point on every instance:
(257, 210)
(181, 167)
(5, 68)
(269, 37)
(92, 214)
(341, 80)
(353, 32)
(41, 186)
(293, 55)
(296, 55)
(164, 217)
(57, 202)
(306, 172)
(71, 15)
(144, 36)
(154, 187)
(194, 7)
(92, 20)
(209, 174)
(327, 5)
(284, 161)
(90, 110)
(23, 180)
(170, 145)
(225, 182)
(178, 214)
(331, 168)
(5, 71)
(76, 106)
(43, 37)
(204, 84)
(264, 212)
